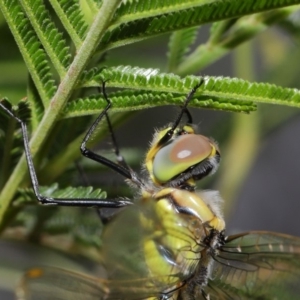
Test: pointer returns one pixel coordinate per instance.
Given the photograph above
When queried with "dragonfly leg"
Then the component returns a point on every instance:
(121, 167)
(90, 202)
(120, 157)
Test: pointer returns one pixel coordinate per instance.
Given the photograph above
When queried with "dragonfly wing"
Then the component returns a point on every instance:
(138, 245)
(256, 265)
(59, 284)
(141, 256)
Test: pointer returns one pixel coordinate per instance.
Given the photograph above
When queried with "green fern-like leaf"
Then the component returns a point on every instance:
(27, 196)
(71, 17)
(223, 90)
(36, 106)
(130, 100)
(215, 9)
(137, 20)
(179, 45)
(52, 40)
(31, 49)
(259, 92)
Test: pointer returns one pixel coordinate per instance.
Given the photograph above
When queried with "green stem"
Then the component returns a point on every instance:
(97, 30)
(245, 29)
(173, 53)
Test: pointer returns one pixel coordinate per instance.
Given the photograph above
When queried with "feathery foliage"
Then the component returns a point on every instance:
(70, 47)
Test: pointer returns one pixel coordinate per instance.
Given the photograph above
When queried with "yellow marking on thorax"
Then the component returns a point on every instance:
(171, 234)
(179, 233)
(196, 204)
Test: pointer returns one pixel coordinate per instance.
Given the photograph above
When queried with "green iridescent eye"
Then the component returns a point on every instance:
(179, 155)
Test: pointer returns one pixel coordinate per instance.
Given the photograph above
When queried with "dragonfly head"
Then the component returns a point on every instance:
(183, 159)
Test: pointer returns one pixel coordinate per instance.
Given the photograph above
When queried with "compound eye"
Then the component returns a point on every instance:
(176, 157)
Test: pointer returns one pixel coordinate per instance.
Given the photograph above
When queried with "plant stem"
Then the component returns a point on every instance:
(245, 29)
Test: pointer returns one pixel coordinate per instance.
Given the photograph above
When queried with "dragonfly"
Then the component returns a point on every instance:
(170, 241)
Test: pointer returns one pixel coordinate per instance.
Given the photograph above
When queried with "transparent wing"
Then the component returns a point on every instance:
(147, 241)
(143, 255)
(257, 265)
(54, 283)
(59, 284)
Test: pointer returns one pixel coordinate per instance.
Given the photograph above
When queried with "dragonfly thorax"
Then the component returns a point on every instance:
(183, 229)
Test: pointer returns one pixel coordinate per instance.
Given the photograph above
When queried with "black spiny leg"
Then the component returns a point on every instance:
(121, 167)
(120, 159)
(88, 202)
